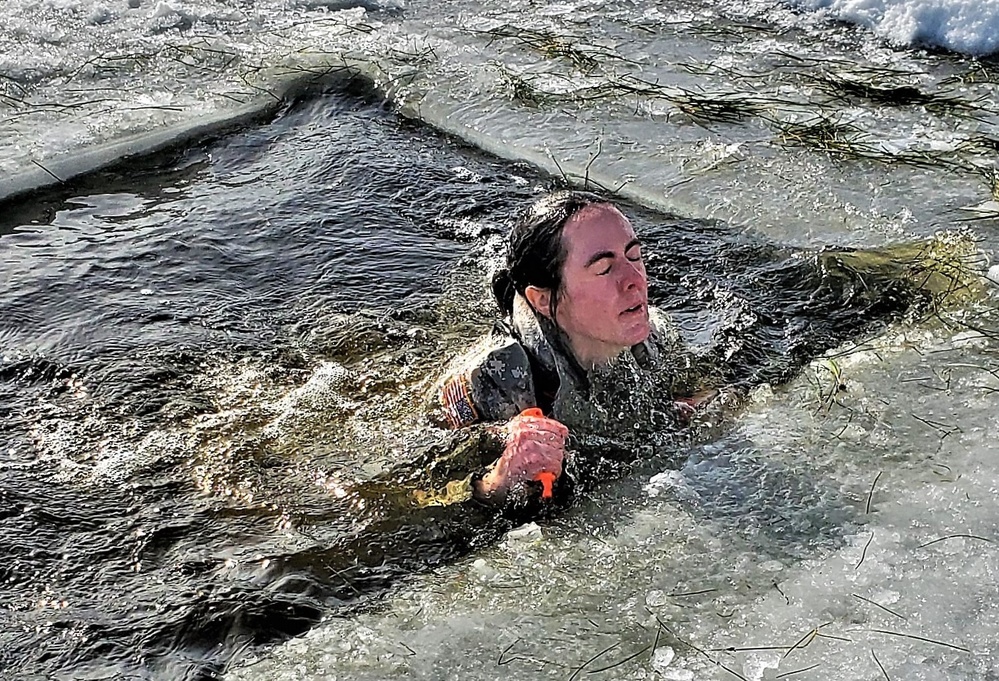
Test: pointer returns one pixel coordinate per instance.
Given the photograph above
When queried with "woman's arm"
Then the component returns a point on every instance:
(497, 386)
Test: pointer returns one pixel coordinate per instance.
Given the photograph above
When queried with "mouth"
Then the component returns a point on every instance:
(635, 308)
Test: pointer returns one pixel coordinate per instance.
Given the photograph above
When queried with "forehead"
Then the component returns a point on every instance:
(595, 228)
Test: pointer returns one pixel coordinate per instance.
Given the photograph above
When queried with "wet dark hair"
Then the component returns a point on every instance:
(535, 251)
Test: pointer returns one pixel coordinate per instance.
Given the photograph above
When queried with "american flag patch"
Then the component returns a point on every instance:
(456, 399)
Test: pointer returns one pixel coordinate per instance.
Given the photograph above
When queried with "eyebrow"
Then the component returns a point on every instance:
(597, 257)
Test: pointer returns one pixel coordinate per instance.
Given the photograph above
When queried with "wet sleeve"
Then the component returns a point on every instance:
(446, 479)
(495, 385)
(443, 467)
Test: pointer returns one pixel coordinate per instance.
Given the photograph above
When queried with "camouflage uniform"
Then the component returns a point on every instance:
(610, 411)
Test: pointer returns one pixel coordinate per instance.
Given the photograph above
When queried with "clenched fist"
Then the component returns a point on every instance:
(535, 445)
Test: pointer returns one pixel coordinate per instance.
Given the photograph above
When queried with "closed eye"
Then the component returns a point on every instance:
(632, 252)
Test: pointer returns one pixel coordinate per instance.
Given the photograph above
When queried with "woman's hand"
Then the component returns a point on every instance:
(535, 444)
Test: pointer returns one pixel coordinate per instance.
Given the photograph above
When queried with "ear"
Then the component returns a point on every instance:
(540, 299)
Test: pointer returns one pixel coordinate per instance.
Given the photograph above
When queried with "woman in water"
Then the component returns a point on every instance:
(580, 352)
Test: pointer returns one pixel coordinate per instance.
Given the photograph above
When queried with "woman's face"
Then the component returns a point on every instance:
(603, 306)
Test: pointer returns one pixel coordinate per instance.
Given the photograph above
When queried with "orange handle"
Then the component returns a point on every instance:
(547, 479)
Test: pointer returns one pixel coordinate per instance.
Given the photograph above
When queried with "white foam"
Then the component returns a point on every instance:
(967, 26)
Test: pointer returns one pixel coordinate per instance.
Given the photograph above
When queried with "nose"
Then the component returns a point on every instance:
(634, 276)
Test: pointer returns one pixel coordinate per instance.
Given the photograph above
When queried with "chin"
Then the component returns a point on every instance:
(637, 334)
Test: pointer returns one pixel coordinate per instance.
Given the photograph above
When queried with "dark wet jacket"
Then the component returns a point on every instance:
(610, 411)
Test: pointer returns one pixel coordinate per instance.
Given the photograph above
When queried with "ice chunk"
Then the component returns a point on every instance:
(524, 533)
(671, 481)
(662, 658)
(656, 598)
